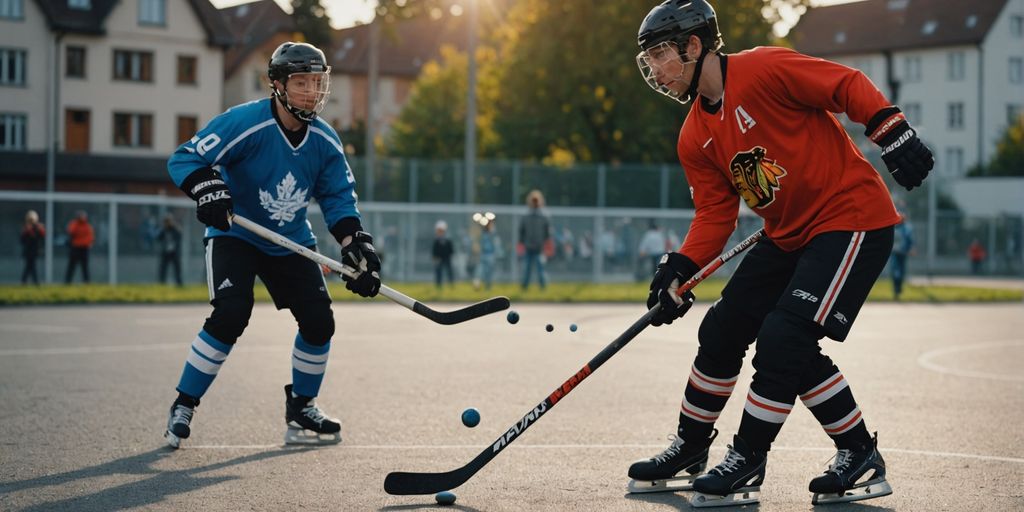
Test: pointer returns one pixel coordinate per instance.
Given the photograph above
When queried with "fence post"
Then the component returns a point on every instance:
(596, 251)
(664, 186)
(516, 172)
(112, 244)
(414, 179)
(932, 219)
(602, 173)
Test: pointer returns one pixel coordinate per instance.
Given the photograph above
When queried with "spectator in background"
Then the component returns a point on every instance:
(534, 234)
(653, 244)
(32, 234)
(80, 237)
(442, 253)
(490, 250)
(902, 246)
(977, 254)
(168, 240)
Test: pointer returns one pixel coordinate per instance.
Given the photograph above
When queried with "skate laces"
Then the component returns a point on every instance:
(842, 461)
(671, 451)
(182, 414)
(313, 412)
(732, 462)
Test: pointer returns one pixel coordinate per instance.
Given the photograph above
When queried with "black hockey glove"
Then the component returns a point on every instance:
(906, 157)
(213, 199)
(674, 269)
(360, 255)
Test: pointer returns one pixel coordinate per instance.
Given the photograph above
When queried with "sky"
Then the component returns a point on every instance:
(346, 13)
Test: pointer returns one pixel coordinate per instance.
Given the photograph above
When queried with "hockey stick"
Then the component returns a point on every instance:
(429, 483)
(486, 307)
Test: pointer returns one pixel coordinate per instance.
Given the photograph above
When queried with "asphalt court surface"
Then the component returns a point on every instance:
(84, 393)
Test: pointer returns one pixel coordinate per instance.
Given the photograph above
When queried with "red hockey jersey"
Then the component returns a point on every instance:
(776, 144)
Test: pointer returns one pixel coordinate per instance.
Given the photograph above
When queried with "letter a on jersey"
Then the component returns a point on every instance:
(756, 178)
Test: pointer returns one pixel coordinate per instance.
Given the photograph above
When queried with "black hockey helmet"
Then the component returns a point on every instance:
(676, 20)
(308, 61)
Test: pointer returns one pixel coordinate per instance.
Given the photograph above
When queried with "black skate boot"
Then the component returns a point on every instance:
(179, 421)
(736, 481)
(854, 475)
(673, 469)
(307, 424)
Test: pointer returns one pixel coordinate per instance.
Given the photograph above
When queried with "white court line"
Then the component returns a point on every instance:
(925, 360)
(1017, 460)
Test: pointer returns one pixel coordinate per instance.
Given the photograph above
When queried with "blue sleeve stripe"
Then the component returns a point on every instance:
(323, 134)
(244, 134)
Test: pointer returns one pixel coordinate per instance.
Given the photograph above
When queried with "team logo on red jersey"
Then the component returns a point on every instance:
(756, 177)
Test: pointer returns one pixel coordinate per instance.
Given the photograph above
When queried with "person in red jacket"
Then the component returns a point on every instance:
(80, 237)
(761, 129)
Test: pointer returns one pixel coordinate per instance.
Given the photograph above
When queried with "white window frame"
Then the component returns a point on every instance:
(912, 69)
(135, 137)
(1015, 70)
(153, 12)
(15, 77)
(913, 113)
(14, 125)
(954, 161)
(955, 115)
(1017, 26)
(955, 66)
(12, 9)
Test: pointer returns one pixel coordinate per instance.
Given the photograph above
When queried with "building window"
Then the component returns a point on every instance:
(1014, 113)
(955, 119)
(187, 127)
(152, 12)
(955, 66)
(913, 113)
(83, 5)
(133, 130)
(12, 9)
(186, 70)
(1017, 26)
(12, 131)
(74, 67)
(12, 67)
(912, 69)
(954, 161)
(134, 66)
(1016, 70)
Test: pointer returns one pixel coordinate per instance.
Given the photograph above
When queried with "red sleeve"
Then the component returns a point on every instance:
(716, 204)
(810, 82)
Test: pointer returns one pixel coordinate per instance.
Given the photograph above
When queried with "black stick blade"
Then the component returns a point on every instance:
(486, 307)
(400, 483)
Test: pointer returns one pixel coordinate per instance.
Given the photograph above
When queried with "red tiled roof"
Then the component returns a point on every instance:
(252, 25)
(873, 26)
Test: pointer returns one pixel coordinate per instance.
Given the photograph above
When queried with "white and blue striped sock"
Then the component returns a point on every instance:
(205, 357)
(309, 362)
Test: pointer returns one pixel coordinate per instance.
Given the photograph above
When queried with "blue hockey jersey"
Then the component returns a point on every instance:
(271, 182)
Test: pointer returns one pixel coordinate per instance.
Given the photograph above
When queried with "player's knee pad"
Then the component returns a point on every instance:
(787, 342)
(316, 321)
(724, 335)
(229, 318)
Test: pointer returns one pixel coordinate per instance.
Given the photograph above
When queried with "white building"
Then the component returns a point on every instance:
(113, 85)
(956, 68)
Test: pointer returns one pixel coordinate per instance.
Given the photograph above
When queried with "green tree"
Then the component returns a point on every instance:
(312, 21)
(1009, 157)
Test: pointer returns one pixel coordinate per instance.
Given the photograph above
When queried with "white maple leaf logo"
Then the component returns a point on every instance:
(289, 200)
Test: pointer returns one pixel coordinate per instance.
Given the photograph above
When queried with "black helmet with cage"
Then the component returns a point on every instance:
(307, 64)
(669, 25)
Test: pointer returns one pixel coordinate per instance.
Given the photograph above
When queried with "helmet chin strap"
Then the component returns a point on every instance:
(691, 92)
(282, 96)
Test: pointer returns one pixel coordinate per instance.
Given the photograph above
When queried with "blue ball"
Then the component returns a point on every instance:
(512, 317)
(471, 417)
(445, 498)
(573, 327)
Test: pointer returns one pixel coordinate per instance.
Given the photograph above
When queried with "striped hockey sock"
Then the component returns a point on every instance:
(762, 420)
(703, 401)
(205, 357)
(309, 362)
(831, 401)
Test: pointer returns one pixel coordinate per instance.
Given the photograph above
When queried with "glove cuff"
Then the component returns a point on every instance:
(345, 228)
(200, 179)
(884, 123)
(680, 264)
